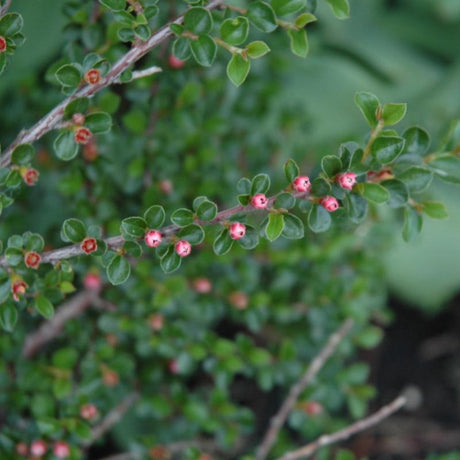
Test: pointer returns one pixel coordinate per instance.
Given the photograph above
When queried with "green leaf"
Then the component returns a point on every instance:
(182, 217)
(204, 50)
(114, 5)
(69, 75)
(223, 243)
(65, 146)
(435, 210)
(193, 233)
(207, 211)
(257, 49)
(5, 289)
(285, 7)
(393, 113)
(235, 30)
(181, 48)
(293, 227)
(373, 192)
(368, 104)
(171, 261)
(284, 201)
(369, 337)
(320, 187)
(417, 140)
(10, 24)
(118, 270)
(398, 193)
(177, 29)
(98, 122)
(198, 20)
(260, 184)
(44, 307)
(143, 32)
(244, 199)
(73, 230)
(251, 239)
(79, 105)
(132, 248)
(23, 154)
(446, 167)
(298, 42)
(14, 256)
(291, 170)
(2, 62)
(319, 220)
(357, 207)
(412, 224)
(274, 226)
(154, 216)
(341, 8)
(238, 69)
(304, 19)
(8, 316)
(261, 14)
(126, 34)
(133, 227)
(416, 178)
(331, 165)
(386, 149)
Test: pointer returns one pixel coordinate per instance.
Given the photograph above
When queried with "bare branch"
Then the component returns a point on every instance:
(51, 328)
(315, 366)
(5, 7)
(112, 418)
(50, 121)
(345, 433)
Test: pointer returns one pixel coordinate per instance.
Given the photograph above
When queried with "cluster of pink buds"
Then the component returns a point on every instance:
(301, 184)
(89, 412)
(88, 245)
(92, 76)
(19, 288)
(329, 203)
(30, 176)
(259, 201)
(82, 135)
(183, 248)
(237, 230)
(2, 44)
(32, 259)
(346, 180)
(152, 238)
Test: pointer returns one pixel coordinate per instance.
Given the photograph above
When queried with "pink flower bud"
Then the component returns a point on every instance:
(88, 245)
(156, 322)
(183, 248)
(78, 118)
(18, 288)
(30, 176)
(61, 449)
(166, 186)
(301, 184)
(346, 180)
(312, 407)
(329, 203)
(202, 285)
(152, 238)
(2, 44)
(173, 367)
(38, 448)
(93, 76)
(22, 449)
(92, 282)
(82, 135)
(175, 63)
(259, 201)
(237, 230)
(90, 152)
(89, 412)
(239, 300)
(32, 259)
(110, 377)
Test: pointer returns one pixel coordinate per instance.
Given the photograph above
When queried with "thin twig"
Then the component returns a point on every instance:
(116, 242)
(143, 73)
(51, 328)
(5, 7)
(315, 366)
(345, 433)
(112, 418)
(49, 121)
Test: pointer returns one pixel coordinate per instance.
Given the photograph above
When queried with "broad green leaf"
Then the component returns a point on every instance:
(118, 270)
(143, 32)
(204, 50)
(398, 193)
(132, 248)
(133, 227)
(182, 217)
(298, 42)
(8, 316)
(206, 211)
(341, 8)
(44, 307)
(235, 30)
(393, 113)
(260, 184)
(79, 105)
(284, 201)
(74, 230)
(291, 170)
(373, 192)
(417, 140)
(154, 216)
(446, 167)
(416, 178)
(386, 149)
(223, 243)
(65, 146)
(257, 49)
(198, 20)
(331, 165)
(293, 227)
(243, 186)
(114, 5)
(304, 19)
(274, 226)
(69, 75)
(238, 69)
(10, 24)
(320, 187)
(171, 261)
(181, 48)
(261, 14)
(193, 233)
(98, 122)
(285, 7)
(369, 337)
(251, 239)
(412, 224)
(319, 220)
(5, 289)
(33, 242)
(435, 210)
(368, 104)
(357, 207)
(23, 154)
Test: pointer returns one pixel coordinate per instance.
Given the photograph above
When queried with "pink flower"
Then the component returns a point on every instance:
(78, 118)
(301, 184)
(152, 238)
(38, 448)
(30, 176)
(82, 135)
(2, 44)
(183, 248)
(32, 259)
(237, 230)
(88, 245)
(259, 201)
(346, 180)
(329, 203)
(89, 412)
(93, 76)
(61, 449)
(18, 288)
(92, 282)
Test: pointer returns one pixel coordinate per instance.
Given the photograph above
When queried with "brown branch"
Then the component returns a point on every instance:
(53, 327)
(112, 418)
(315, 366)
(51, 120)
(5, 7)
(116, 242)
(345, 433)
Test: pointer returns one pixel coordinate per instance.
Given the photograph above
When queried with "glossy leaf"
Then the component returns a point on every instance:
(118, 270)
(368, 104)
(198, 20)
(133, 227)
(386, 149)
(293, 227)
(235, 30)
(274, 226)
(373, 192)
(223, 243)
(319, 220)
(65, 146)
(204, 50)
(73, 230)
(435, 210)
(393, 113)
(412, 224)
(261, 14)
(238, 69)
(416, 178)
(154, 216)
(44, 307)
